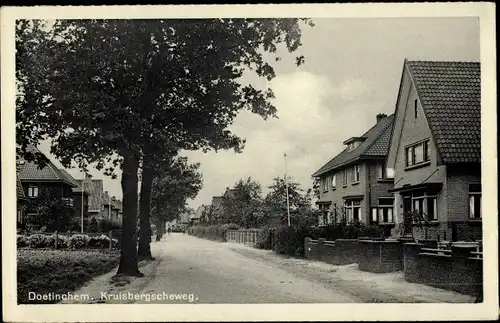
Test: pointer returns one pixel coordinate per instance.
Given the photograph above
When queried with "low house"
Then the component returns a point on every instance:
(94, 187)
(35, 180)
(116, 211)
(216, 209)
(435, 148)
(354, 184)
(80, 197)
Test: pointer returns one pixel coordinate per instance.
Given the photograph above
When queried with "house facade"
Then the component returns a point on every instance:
(435, 149)
(21, 198)
(354, 184)
(79, 196)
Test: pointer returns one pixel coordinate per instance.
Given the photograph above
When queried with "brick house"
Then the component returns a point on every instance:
(35, 180)
(354, 184)
(78, 195)
(435, 150)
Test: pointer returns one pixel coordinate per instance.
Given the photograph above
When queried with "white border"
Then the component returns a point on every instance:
(244, 312)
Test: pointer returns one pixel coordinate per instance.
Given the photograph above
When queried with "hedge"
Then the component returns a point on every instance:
(75, 241)
(289, 240)
(215, 232)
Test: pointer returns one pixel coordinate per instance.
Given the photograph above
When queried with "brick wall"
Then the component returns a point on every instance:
(381, 256)
(454, 271)
(340, 252)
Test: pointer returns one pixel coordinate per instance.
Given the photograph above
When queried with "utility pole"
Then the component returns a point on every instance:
(83, 196)
(287, 198)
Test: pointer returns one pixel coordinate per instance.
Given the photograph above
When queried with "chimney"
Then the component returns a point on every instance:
(381, 116)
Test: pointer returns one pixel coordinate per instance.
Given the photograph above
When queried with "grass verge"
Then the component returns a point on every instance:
(56, 272)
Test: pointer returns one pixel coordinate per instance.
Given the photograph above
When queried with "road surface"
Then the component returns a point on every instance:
(192, 270)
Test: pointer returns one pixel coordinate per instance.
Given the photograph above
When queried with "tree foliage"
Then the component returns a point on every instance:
(48, 209)
(109, 92)
(300, 202)
(244, 205)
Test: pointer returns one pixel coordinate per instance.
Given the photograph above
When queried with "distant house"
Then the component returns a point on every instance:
(78, 195)
(116, 211)
(35, 180)
(94, 187)
(435, 148)
(216, 209)
(354, 184)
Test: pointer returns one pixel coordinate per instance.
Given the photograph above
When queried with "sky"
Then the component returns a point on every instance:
(351, 73)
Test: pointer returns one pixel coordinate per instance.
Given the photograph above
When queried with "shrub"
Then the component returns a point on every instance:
(101, 241)
(289, 240)
(264, 238)
(105, 225)
(215, 232)
(78, 241)
(38, 240)
(22, 241)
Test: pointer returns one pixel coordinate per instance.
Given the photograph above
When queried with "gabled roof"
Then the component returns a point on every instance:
(19, 189)
(217, 201)
(96, 194)
(376, 144)
(30, 172)
(450, 93)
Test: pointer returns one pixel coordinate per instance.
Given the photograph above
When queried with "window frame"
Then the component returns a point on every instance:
(324, 184)
(473, 195)
(356, 174)
(349, 205)
(411, 156)
(425, 197)
(344, 182)
(33, 191)
(333, 181)
(384, 204)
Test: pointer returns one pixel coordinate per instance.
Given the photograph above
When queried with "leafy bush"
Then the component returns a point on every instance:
(264, 238)
(289, 240)
(78, 241)
(101, 241)
(216, 232)
(38, 241)
(22, 241)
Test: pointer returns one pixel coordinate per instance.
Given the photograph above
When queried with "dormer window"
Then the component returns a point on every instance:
(354, 142)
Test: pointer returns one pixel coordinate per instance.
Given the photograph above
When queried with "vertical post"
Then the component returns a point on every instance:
(56, 240)
(287, 198)
(110, 239)
(83, 192)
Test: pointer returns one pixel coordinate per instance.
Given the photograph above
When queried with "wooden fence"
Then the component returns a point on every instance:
(246, 237)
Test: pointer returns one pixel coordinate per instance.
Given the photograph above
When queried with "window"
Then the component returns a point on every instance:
(334, 181)
(426, 205)
(475, 201)
(325, 184)
(353, 210)
(415, 107)
(355, 174)
(345, 177)
(32, 191)
(381, 170)
(384, 213)
(324, 218)
(417, 154)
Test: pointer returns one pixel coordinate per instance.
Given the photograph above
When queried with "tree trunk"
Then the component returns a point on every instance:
(128, 254)
(145, 214)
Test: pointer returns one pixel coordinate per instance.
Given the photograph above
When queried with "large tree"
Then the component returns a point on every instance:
(299, 200)
(244, 205)
(173, 184)
(111, 91)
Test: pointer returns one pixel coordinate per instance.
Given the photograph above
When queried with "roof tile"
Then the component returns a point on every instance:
(451, 96)
(376, 144)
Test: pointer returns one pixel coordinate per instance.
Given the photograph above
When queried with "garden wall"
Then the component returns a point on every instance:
(459, 269)
(380, 256)
(338, 252)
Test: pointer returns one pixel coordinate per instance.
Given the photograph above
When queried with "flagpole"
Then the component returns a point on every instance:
(287, 198)
(83, 192)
